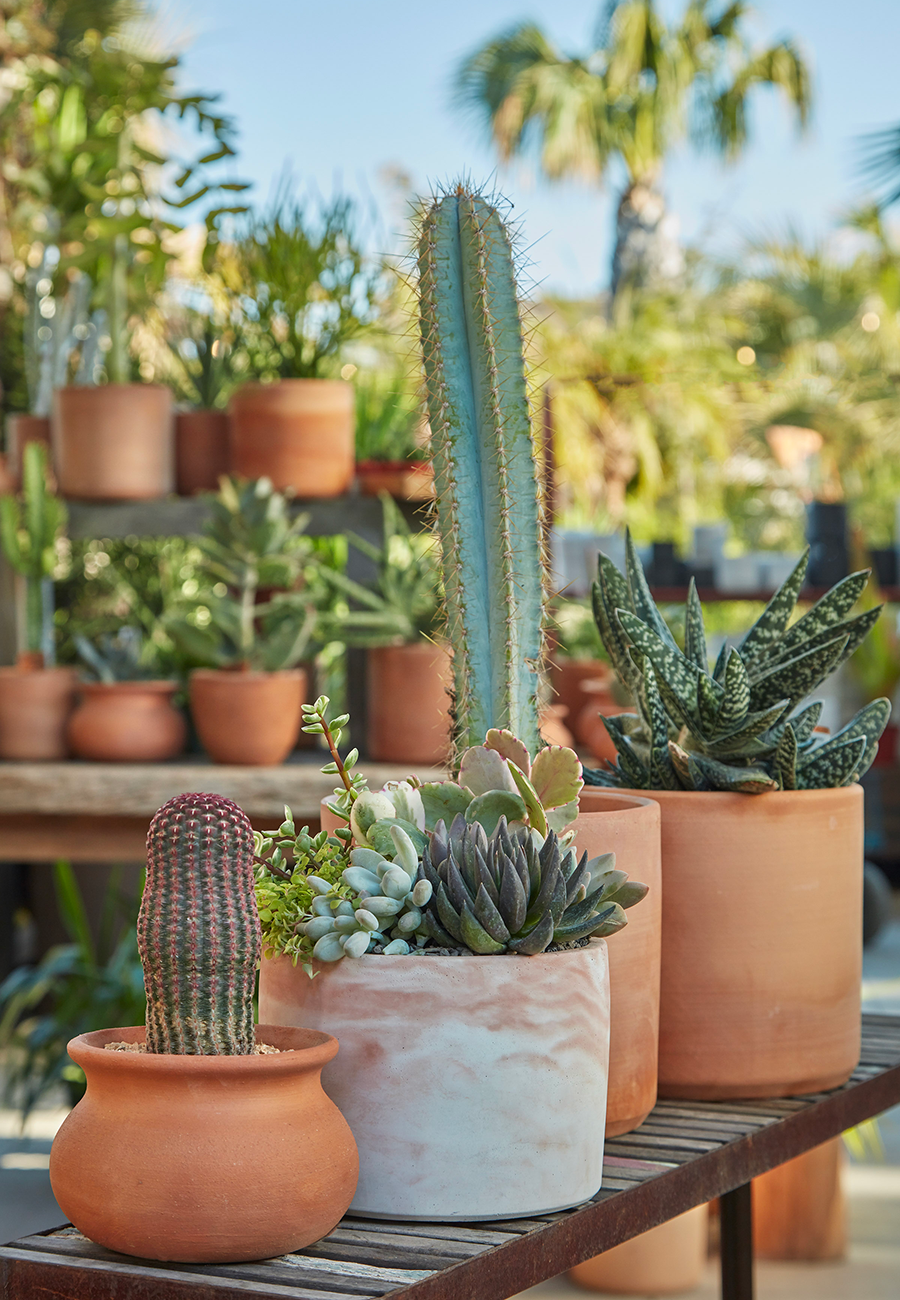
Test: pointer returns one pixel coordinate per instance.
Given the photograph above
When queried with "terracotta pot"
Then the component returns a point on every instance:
(407, 480)
(589, 725)
(761, 942)
(127, 722)
(204, 1159)
(799, 1210)
(473, 1085)
(609, 822)
(566, 677)
(8, 482)
(408, 703)
(113, 443)
(20, 430)
(247, 718)
(297, 432)
(553, 728)
(202, 451)
(667, 1260)
(34, 710)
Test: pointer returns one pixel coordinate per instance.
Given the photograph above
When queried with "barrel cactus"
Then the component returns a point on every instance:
(488, 499)
(198, 928)
(739, 726)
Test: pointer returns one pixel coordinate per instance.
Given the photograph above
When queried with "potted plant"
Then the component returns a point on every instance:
(250, 628)
(202, 352)
(762, 834)
(308, 290)
(389, 452)
(124, 715)
(199, 1138)
(36, 698)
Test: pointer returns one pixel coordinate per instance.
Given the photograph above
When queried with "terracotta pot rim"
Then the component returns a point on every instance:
(309, 1048)
(13, 670)
(737, 797)
(99, 388)
(239, 675)
(256, 385)
(152, 686)
(637, 801)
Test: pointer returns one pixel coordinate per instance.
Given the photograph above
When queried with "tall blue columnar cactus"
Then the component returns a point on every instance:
(198, 928)
(488, 497)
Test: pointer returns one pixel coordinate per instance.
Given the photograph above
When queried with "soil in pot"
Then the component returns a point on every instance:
(202, 451)
(610, 822)
(204, 1159)
(113, 443)
(500, 1063)
(127, 722)
(247, 717)
(35, 705)
(409, 703)
(297, 432)
(407, 480)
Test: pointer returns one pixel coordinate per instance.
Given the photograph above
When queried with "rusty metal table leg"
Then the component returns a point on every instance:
(736, 1209)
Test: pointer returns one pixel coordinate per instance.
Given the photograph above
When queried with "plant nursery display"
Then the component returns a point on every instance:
(750, 795)
(199, 1138)
(35, 697)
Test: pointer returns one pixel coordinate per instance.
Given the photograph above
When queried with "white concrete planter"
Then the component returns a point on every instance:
(475, 1087)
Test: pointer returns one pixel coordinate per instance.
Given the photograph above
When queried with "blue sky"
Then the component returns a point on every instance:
(342, 90)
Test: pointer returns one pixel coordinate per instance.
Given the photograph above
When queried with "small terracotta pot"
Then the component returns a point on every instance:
(761, 942)
(204, 1159)
(34, 711)
(473, 1085)
(113, 443)
(247, 718)
(609, 822)
(202, 451)
(408, 703)
(799, 1210)
(127, 722)
(20, 430)
(407, 480)
(667, 1260)
(297, 432)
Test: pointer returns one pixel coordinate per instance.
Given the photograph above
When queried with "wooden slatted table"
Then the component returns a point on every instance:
(685, 1154)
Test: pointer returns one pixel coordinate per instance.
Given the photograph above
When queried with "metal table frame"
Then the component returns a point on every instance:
(685, 1154)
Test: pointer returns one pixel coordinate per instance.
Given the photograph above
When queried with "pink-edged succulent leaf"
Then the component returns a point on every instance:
(536, 816)
(442, 800)
(556, 776)
(559, 818)
(509, 746)
(482, 770)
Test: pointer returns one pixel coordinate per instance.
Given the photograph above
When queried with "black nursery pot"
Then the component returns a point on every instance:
(826, 532)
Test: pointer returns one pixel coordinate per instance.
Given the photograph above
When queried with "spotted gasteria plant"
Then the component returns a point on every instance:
(198, 928)
(738, 727)
(488, 500)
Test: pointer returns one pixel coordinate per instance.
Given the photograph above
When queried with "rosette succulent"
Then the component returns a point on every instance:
(739, 726)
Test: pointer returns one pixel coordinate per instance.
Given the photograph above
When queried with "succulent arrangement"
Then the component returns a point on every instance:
(29, 529)
(198, 928)
(742, 726)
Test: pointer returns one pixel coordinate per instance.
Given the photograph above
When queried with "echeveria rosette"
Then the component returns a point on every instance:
(740, 727)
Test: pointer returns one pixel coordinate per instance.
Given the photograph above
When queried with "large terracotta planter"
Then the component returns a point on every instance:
(761, 942)
(667, 1260)
(408, 703)
(204, 1159)
(297, 432)
(127, 722)
(20, 430)
(609, 822)
(246, 717)
(34, 712)
(202, 451)
(113, 443)
(475, 1086)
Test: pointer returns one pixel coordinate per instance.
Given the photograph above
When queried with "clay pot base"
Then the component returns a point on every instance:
(726, 1092)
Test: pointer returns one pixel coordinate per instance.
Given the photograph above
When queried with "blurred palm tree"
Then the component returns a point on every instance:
(644, 86)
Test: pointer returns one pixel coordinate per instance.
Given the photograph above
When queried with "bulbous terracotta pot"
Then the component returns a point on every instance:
(407, 480)
(202, 451)
(408, 703)
(20, 430)
(127, 722)
(247, 717)
(113, 443)
(609, 822)
(297, 432)
(761, 941)
(204, 1159)
(667, 1260)
(474, 1086)
(34, 711)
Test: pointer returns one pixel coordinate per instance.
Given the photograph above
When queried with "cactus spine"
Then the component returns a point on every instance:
(198, 928)
(489, 509)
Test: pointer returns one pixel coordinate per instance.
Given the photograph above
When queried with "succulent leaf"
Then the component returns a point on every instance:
(442, 800)
(556, 776)
(489, 808)
(642, 603)
(785, 760)
(824, 615)
(508, 746)
(725, 776)
(482, 770)
(736, 697)
(831, 764)
(766, 633)
(805, 722)
(694, 631)
(668, 662)
(794, 679)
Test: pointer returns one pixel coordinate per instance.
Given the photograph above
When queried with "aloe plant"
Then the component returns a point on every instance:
(488, 501)
(744, 725)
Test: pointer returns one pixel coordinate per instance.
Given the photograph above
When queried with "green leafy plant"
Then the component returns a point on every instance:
(387, 419)
(738, 727)
(117, 657)
(203, 355)
(29, 530)
(76, 987)
(251, 546)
